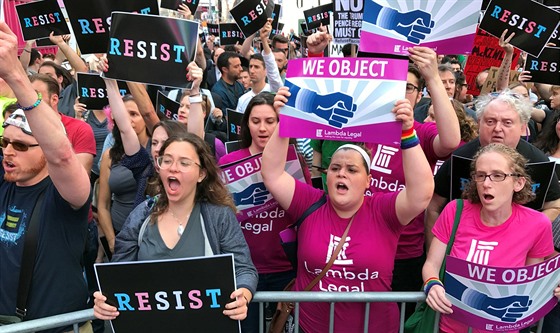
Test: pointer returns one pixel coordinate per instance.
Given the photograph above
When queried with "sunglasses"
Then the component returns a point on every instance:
(18, 146)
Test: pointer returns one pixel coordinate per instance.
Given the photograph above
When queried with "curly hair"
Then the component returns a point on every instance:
(211, 189)
(518, 103)
(516, 162)
(467, 126)
(548, 140)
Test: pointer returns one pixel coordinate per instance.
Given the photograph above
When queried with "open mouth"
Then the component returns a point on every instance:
(488, 197)
(341, 187)
(173, 183)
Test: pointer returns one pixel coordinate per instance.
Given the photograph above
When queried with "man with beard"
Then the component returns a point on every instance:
(39, 162)
(227, 87)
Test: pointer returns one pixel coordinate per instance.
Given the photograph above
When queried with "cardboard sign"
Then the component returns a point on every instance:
(347, 21)
(492, 80)
(93, 92)
(348, 99)
(545, 68)
(38, 19)
(166, 106)
(244, 182)
(532, 22)
(251, 15)
(174, 4)
(213, 29)
(91, 19)
(486, 53)
(230, 34)
(514, 298)
(541, 174)
(392, 26)
(234, 120)
(165, 49)
(317, 16)
(169, 295)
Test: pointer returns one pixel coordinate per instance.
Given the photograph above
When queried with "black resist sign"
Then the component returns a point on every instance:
(91, 19)
(532, 22)
(167, 107)
(159, 55)
(213, 29)
(174, 4)
(39, 19)
(545, 68)
(251, 15)
(171, 295)
(92, 91)
(230, 34)
(321, 15)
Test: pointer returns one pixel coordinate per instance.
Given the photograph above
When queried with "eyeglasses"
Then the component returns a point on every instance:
(183, 164)
(18, 146)
(410, 88)
(480, 177)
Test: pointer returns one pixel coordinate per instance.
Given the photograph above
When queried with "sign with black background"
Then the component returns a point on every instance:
(234, 120)
(174, 4)
(202, 284)
(91, 19)
(230, 34)
(317, 16)
(545, 68)
(278, 29)
(541, 175)
(539, 20)
(38, 19)
(167, 107)
(251, 15)
(159, 55)
(92, 90)
(347, 21)
(276, 16)
(213, 29)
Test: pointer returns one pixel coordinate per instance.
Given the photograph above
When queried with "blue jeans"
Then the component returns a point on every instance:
(267, 282)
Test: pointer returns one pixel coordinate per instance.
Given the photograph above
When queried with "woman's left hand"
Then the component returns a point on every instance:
(237, 310)
(194, 74)
(403, 112)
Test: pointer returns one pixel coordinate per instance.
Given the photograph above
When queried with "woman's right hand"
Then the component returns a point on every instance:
(101, 309)
(281, 98)
(437, 301)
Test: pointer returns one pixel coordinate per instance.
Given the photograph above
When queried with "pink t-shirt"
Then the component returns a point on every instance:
(387, 175)
(365, 262)
(261, 232)
(527, 233)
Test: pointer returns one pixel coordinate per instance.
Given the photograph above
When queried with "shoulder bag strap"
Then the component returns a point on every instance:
(333, 257)
(28, 257)
(452, 238)
(310, 210)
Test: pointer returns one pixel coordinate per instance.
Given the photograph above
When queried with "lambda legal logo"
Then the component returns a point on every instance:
(319, 133)
(382, 158)
(479, 253)
(341, 259)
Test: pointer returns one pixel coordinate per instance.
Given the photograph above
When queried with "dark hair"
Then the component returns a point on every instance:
(211, 189)
(116, 151)
(34, 55)
(264, 98)
(347, 50)
(515, 160)
(60, 72)
(10, 107)
(244, 69)
(230, 48)
(448, 58)
(223, 59)
(279, 39)
(412, 69)
(259, 57)
(52, 85)
(548, 139)
(361, 145)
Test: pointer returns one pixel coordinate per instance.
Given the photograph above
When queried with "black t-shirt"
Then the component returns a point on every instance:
(58, 285)
(530, 152)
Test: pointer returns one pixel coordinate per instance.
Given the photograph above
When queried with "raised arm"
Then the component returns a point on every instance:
(277, 181)
(144, 103)
(25, 56)
(419, 181)
(503, 71)
(65, 171)
(272, 73)
(196, 115)
(73, 58)
(449, 134)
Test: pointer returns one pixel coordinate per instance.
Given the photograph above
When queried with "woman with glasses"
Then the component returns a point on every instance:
(492, 215)
(194, 216)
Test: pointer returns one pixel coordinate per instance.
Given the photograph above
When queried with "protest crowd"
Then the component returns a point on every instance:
(106, 164)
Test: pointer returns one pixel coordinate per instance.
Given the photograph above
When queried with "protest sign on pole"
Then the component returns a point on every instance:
(347, 99)
(170, 295)
(393, 26)
(92, 91)
(166, 49)
(501, 299)
(38, 19)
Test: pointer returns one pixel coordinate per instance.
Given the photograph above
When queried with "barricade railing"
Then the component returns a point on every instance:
(262, 297)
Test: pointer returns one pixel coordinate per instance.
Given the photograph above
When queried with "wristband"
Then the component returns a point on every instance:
(409, 140)
(430, 283)
(28, 108)
(195, 99)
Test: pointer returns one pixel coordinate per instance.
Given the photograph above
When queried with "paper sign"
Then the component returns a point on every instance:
(532, 22)
(234, 120)
(230, 34)
(38, 19)
(501, 299)
(165, 49)
(251, 15)
(244, 182)
(174, 4)
(92, 90)
(170, 295)
(347, 21)
(348, 99)
(91, 19)
(492, 80)
(317, 16)
(541, 174)
(392, 26)
(167, 107)
(213, 29)
(545, 68)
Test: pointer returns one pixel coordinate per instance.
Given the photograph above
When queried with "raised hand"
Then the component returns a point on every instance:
(317, 42)
(504, 41)
(254, 194)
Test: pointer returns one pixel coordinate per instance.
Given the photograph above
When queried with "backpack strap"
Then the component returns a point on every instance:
(310, 210)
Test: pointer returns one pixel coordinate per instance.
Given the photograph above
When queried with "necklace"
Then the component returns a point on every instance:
(180, 228)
